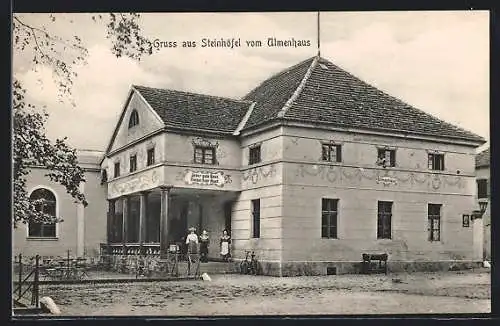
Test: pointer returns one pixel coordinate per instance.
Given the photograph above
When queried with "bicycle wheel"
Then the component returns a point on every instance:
(257, 268)
(244, 268)
(254, 268)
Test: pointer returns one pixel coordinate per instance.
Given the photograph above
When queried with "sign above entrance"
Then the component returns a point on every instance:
(206, 178)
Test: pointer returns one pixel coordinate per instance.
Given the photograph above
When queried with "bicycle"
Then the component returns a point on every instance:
(250, 266)
(245, 264)
(254, 265)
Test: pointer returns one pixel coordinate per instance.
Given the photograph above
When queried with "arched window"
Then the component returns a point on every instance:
(48, 206)
(134, 119)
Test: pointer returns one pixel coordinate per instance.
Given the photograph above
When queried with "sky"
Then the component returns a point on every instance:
(435, 61)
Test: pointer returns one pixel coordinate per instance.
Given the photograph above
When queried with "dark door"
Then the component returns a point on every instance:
(228, 207)
(183, 223)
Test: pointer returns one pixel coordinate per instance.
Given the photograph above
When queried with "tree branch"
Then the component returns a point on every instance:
(47, 35)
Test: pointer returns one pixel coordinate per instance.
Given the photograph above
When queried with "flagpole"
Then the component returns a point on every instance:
(319, 48)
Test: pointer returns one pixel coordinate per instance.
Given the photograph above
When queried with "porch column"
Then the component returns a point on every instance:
(125, 202)
(110, 223)
(142, 220)
(165, 194)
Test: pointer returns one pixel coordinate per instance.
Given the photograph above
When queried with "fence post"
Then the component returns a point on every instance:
(20, 275)
(35, 293)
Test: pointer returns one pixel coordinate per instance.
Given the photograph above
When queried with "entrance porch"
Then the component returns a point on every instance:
(149, 222)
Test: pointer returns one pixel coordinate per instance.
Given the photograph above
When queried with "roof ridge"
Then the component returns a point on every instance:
(277, 74)
(403, 103)
(244, 120)
(192, 93)
(299, 88)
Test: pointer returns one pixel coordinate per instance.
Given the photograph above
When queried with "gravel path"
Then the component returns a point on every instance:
(451, 292)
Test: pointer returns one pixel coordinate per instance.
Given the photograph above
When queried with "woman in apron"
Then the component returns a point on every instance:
(192, 241)
(204, 246)
(225, 241)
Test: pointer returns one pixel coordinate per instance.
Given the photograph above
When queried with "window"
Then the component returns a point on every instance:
(329, 218)
(436, 161)
(386, 157)
(254, 155)
(134, 119)
(256, 218)
(434, 217)
(204, 155)
(482, 188)
(47, 205)
(151, 157)
(331, 153)
(117, 169)
(384, 220)
(133, 163)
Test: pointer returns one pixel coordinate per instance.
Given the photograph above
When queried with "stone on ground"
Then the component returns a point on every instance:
(48, 305)
(205, 277)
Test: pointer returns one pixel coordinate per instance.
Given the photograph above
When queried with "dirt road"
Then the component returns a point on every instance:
(451, 292)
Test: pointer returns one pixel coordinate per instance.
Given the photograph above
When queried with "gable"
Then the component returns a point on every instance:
(149, 122)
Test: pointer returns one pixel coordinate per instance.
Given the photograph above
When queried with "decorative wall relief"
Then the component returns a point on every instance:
(254, 175)
(206, 178)
(336, 173)
(141, 157)
(221, 154)
(325, 172)
(204, 142)
(137, 183)
(294, 141)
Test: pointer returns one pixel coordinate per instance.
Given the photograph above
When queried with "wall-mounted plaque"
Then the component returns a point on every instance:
(466, 220)
(207, 178)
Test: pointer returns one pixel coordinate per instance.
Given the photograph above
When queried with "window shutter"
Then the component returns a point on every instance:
(339, 153)
(393, 158)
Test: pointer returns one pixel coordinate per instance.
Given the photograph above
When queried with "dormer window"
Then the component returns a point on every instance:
(134, 119)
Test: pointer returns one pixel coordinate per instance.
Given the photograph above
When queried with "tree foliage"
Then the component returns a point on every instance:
(31, 147)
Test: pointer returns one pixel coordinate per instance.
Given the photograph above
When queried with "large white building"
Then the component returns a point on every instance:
(310, 170)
